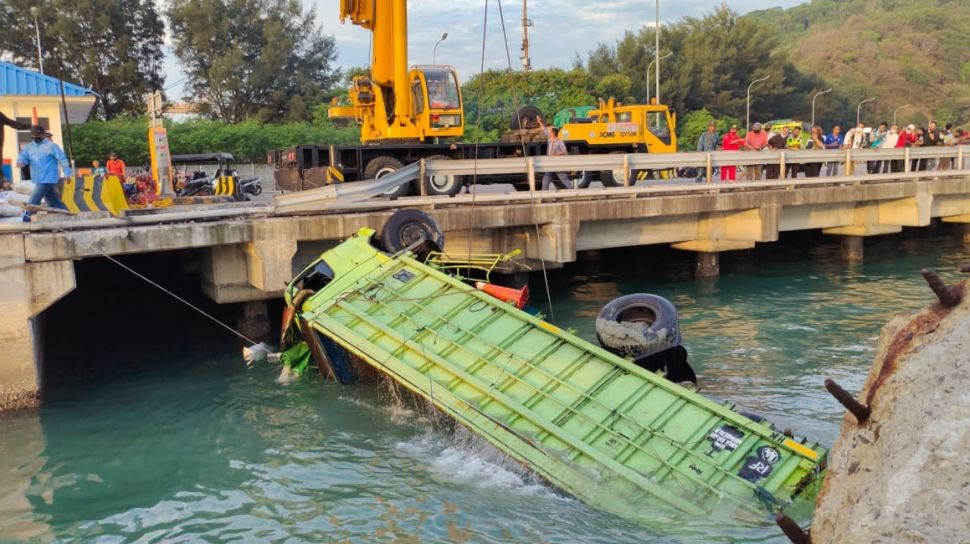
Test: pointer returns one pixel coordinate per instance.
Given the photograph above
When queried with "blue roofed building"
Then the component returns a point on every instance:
(34, 98)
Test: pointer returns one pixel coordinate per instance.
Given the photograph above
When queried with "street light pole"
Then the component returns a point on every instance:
(895, 111)
(649, 66)
(813, 102)
(434, 53)
(858, 110)
(747, 117)
(656, 47)
(40, 56)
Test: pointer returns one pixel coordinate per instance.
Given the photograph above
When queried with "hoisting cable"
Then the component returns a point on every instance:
(478, 122)
(515, 106)
(257, 350)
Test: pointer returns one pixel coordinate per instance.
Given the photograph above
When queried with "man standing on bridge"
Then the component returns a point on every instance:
(556, 148)
(43, 156)
(707, 143)
(756, 140)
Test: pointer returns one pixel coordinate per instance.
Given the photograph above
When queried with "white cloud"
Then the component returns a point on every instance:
(561, 29)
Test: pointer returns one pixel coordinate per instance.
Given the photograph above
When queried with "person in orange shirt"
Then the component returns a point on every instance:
(115, 166)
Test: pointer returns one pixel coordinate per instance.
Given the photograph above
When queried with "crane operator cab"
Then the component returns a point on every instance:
(436, 99)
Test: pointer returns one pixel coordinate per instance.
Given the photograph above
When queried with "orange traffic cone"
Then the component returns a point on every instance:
(519, 297)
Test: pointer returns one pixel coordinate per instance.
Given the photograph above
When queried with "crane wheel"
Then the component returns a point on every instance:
(379, 167)
(444, 184)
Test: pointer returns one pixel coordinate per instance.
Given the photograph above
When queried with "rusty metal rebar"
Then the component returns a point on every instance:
(859, 410)
(792, 530)
(948, 297)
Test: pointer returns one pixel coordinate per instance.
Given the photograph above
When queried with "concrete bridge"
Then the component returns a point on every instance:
(246, 255)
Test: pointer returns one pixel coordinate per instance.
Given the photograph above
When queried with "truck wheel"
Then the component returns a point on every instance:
(444, 184)
(382, 166)
(583, 179)
(407, 227)
(614, 178)
(638, 325)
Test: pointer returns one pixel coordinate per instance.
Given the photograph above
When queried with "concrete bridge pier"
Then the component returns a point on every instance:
(852, 248)
(28, 289)
(966, 233)
(253, 320)
(708, 265)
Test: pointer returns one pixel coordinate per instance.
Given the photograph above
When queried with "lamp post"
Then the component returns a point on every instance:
(656, 47)
(40, 56)
(434, 53)
(813, 102)
(649, 66)
(895, 111)
(747, 118)
(858, 110)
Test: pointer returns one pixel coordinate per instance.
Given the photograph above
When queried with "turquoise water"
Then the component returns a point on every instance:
(184, 443)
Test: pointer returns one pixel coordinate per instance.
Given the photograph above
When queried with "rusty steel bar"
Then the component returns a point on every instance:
(859, 410)
(792, 530)
(948, 297)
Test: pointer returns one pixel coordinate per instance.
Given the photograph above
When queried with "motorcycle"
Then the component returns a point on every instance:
(251, 186)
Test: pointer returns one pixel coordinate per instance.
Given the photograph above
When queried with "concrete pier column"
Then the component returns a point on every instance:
(708, 265)
(253, 320)
(28, 289)
(966, 233)
(852, 248)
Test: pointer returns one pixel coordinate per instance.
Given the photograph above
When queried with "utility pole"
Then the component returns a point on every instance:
(526, 23)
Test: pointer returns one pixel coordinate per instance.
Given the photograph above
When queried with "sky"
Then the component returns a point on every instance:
(561, 29)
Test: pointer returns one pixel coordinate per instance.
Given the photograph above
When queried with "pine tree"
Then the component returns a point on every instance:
(253, 59)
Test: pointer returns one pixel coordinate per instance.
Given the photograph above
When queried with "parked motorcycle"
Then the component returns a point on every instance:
(251, 186)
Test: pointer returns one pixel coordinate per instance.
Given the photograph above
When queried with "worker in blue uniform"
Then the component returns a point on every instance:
(44, 157)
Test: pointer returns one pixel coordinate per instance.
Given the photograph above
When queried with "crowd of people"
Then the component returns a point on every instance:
(763, 137)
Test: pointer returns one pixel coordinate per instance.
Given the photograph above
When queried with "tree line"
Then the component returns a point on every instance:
(263, 60)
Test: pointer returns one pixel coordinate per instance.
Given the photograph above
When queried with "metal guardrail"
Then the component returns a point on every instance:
(351, 195)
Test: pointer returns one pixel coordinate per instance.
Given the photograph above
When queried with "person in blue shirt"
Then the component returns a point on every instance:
(44, 157)
(833, 141)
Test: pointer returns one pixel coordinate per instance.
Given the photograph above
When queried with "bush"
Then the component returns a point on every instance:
(247, 141)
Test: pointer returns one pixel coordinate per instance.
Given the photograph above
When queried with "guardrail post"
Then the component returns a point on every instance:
(531, 172)
(710, 168)
(906, 166)
(626, 170)
(849, 168)
(781, 164)
(960, 158)
(422, 178)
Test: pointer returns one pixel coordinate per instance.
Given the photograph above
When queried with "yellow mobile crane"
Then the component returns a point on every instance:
(397, 104)
(404, 111)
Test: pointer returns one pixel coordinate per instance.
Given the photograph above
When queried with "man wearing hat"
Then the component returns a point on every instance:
(44, 156)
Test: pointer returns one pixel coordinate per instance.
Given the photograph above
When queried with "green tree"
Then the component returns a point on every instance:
(493, 98)
(112, 46)
(253, 59)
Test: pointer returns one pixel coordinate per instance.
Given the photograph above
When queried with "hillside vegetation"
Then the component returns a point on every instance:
(913, 52)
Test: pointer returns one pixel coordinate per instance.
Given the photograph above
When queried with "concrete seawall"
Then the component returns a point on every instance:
(903, 474)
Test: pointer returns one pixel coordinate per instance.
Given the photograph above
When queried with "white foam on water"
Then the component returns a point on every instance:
(465, 458)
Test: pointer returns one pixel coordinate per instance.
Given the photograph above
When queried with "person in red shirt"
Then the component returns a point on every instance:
(731, 142)
(906, 139)
(115, 166)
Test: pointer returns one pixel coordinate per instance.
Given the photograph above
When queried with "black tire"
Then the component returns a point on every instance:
(583, 179)
(408, 227)
(638, 325)
(381, 166)
(256, 190)
(526, 118)
(614, 178)
(444, 185)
